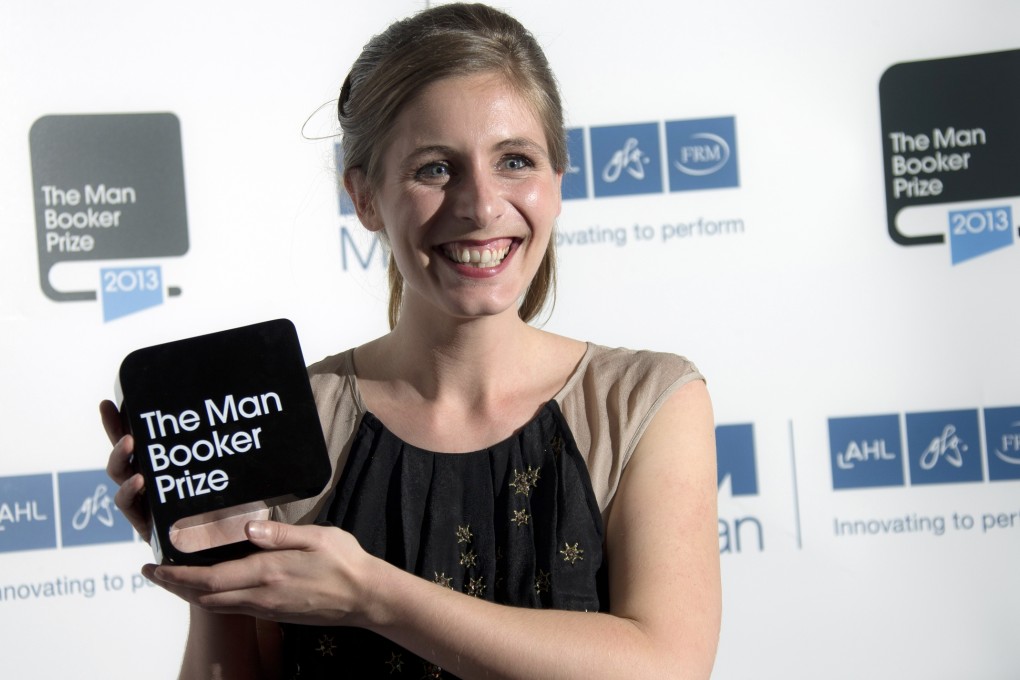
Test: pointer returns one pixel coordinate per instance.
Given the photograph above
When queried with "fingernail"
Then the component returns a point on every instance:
(258, 530)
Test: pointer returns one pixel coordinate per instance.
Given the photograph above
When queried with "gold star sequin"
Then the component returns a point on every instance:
(571, 553)
(525, 481)
(542, 582)
(443, 580)
(476, 587)
(468, 559)
(521, 517)
(432, 671)
(395, 663)
(326, 645)
(464, 534)
(556, 444)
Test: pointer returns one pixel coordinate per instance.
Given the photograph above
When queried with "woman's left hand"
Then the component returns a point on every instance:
(303, 574)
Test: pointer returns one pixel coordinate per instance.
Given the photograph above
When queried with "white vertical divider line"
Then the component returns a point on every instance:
(796, 490)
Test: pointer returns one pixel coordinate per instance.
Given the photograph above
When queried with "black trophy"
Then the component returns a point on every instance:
(225, 427)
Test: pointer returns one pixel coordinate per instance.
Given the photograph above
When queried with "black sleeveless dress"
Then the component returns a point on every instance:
(516, 524)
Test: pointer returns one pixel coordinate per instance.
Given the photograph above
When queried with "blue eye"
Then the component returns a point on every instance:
(517, 163)
(433, 171)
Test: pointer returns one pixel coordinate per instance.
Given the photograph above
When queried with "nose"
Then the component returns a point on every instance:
(478, 198)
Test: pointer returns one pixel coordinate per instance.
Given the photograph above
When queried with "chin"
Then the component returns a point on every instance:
(484, 309)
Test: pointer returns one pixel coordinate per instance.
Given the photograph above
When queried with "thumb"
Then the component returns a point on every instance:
(275, 535)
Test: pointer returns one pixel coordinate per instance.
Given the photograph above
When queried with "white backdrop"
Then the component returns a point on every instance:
(800, 309)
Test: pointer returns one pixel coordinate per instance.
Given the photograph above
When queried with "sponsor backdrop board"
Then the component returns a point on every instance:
(817, 203)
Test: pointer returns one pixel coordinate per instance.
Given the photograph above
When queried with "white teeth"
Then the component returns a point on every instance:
(481, 257)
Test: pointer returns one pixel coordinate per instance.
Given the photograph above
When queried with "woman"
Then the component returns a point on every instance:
(505, 502)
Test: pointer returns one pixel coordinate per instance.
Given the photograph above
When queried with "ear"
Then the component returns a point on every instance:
(360, 190)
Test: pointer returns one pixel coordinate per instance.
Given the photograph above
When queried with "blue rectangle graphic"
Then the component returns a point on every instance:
(1002, 433)
(735, 460)
(346, 204)
(575, 179)
(626, 160)
(944, 447)
(866, 451)
(87, 512)
(126, 290)
(702, 154)
(27, 513)
(979, 231)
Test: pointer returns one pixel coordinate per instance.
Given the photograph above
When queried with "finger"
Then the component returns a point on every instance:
(118, 465)
(111, 420)
(163, 578)
(232, 575)
(278, 536)
(130, 496)
(130, 499)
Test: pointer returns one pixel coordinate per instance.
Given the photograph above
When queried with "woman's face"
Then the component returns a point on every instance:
(468, 197)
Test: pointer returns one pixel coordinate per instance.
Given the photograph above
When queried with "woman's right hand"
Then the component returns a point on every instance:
(130, 497)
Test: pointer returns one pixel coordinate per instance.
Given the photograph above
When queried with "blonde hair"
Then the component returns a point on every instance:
(445, 41)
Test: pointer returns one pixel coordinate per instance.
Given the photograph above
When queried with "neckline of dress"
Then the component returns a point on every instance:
(571, 381)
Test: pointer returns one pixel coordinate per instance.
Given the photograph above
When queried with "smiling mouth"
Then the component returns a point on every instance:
(482, 257)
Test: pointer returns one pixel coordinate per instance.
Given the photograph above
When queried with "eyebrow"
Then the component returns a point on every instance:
(511, 143)
(420, 151)
(525, 144)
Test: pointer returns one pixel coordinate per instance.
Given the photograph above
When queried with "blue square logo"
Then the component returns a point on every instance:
(866, 451)
(1002, 433)
(575, 179)
(944, 447)
(87, 512)
(734, 446)
(26, 513)
(702, 154)
(625, 159)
